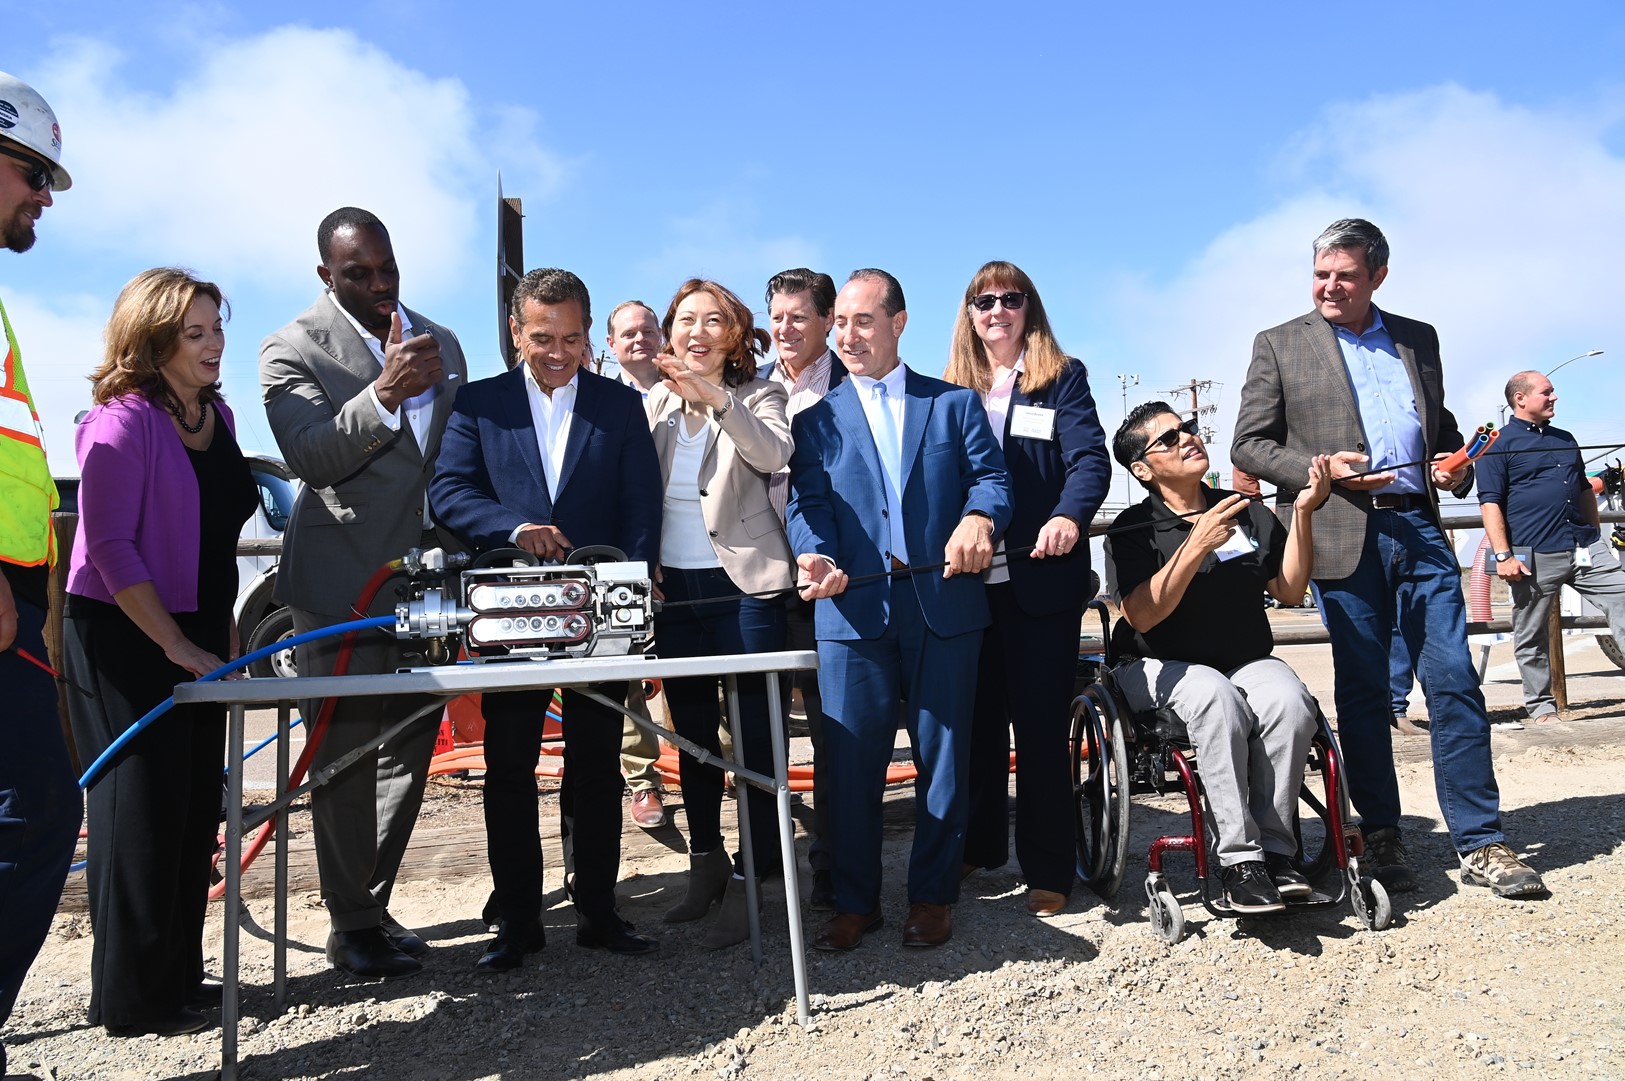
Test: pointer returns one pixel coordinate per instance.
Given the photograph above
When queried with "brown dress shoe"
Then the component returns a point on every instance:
(928, 925)
(845, 931)
(1043, 903)
(648, 812)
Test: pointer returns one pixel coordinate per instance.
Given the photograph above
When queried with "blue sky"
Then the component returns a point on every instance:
(1159, 170)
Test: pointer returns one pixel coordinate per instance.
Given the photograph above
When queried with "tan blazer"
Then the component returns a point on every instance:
(749, 445)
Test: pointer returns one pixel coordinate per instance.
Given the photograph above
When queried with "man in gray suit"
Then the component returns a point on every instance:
(1365, 386)
(358, 389)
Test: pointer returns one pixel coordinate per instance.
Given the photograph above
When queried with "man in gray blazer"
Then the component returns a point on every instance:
(358, 389)
(1365, 386)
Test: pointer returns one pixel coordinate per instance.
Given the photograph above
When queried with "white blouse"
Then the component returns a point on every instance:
(684, 540)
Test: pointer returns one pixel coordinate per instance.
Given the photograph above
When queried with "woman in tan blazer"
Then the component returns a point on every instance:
(720, 433)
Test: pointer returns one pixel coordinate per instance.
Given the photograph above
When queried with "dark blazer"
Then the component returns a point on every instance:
(1067, 475)
(489, 481)
(837, 505)
(1298, 402)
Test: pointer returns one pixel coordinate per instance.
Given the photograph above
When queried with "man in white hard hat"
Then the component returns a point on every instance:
(40, 807)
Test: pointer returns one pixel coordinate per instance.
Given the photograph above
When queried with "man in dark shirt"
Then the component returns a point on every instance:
(1541, 502)
(1192, 578)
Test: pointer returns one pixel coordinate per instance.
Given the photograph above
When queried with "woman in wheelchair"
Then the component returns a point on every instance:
(1196, 641)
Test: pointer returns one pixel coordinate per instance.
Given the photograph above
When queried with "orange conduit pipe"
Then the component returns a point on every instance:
(1478, 585)
(317, 731)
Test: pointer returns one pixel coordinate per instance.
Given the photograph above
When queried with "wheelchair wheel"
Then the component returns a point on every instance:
(1316, 856)
(1100, 790)
(1167, 914)
(1371, 904)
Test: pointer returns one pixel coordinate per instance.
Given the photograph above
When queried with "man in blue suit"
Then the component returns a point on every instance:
(547, 458)
(891, 469)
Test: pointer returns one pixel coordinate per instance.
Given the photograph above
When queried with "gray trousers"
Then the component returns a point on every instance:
(1602, 583)
(1251, 729)
(364, 816)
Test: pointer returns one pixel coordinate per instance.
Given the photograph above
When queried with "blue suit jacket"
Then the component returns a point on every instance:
(1067, 475)
(488, 479)
(837, 505)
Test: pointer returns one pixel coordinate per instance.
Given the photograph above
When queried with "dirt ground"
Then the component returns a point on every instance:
(1462, 985)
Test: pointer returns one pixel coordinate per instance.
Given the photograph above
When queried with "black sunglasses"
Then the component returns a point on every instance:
(983, 302)
(39, 177)
(1170, 439)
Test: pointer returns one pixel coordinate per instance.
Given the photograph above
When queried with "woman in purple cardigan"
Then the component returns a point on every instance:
(163, 495)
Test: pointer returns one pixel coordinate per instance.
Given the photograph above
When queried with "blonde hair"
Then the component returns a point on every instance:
(147, 321)
(968, 363)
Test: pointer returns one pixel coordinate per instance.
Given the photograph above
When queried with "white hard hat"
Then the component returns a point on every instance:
(26, 119)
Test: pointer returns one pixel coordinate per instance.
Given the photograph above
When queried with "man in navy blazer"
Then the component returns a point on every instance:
(547, 458)
(891, 469)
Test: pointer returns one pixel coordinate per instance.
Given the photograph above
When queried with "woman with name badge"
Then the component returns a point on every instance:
(1043, 415)
(721, 433)
(164, 491)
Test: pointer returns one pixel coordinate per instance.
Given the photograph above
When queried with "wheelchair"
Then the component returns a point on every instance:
(1116, 753)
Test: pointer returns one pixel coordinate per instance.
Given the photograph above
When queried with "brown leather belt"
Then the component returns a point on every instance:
(898, 565)
(1408, 501)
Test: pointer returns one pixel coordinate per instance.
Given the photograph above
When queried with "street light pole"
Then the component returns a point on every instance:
(1127, 381)
(1571, 360)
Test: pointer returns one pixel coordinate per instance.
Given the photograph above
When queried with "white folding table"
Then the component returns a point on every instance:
(445, 683)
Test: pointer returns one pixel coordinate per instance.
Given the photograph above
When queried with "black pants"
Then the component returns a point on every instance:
(153, 818)
(1024, 681)
(591, 796)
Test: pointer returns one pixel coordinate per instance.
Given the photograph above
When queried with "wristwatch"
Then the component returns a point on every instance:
(1502, 557)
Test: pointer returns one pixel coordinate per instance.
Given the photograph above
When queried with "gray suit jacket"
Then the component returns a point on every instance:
(362, 502)
(1298, 402)
(745, 529)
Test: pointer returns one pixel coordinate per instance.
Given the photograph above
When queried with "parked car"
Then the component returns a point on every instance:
(261, 621)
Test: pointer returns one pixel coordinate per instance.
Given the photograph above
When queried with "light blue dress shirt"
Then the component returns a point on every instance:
(1387, 401)
(884, 406)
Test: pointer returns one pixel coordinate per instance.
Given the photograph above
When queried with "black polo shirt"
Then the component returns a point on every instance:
(1539, 491)
(1221, 620)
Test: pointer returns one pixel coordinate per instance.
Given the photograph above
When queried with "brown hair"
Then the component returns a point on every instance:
(742, 340)
(147, 321)
(968, 363)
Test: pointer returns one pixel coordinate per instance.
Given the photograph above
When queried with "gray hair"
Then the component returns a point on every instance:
(550, 285)
(1355, 234)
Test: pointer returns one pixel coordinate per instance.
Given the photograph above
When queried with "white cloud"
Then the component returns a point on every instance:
(719, 241)
(229, 166)
(1504, 222)
(73, 327)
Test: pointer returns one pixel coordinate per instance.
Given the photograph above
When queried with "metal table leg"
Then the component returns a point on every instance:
(742, 804)
(279, 939)
(234, 885)
(787, 845)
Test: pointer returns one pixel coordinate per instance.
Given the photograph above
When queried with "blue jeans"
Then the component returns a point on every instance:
(1407, 577)
(1399, 673)
(735, 624)
(40, 806)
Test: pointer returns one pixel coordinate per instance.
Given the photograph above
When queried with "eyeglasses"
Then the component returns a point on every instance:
(1170, 439)
(983, 302)
(39, 177)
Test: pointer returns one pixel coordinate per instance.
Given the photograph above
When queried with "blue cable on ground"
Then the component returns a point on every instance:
(98, 767)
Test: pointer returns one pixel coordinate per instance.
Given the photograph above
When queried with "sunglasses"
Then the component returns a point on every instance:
(1170, 439)
(39, 177)
(983, 302)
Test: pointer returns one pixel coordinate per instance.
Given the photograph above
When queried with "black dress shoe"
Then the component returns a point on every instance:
(206, 996)
(507, 951)
(179, 1023)
(369, 954)
(823, 892)
(407, 941)
(613, 934)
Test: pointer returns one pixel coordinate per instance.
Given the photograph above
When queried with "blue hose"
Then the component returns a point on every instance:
(98, 767)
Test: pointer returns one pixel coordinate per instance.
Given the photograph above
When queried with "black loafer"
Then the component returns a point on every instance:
(206, 996)
(180, 1023)
(407, 941)
(507, 951)
(369, 954)
(615, 935)
(1289, 881)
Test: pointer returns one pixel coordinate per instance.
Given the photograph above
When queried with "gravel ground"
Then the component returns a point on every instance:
(1463, 984)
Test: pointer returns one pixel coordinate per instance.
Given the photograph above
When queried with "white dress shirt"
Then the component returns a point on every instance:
(417, 409)
(806, 388)
(887, 432)
(550, 414)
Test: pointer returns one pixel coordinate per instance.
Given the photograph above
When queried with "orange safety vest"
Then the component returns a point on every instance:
(27, 493)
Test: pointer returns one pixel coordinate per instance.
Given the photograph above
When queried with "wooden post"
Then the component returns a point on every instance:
(1554, 653)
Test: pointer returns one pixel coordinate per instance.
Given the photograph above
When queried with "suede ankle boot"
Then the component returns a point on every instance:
(708, 876)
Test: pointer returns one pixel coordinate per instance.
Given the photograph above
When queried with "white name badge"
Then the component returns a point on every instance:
(1032, 422)
(1582, 557)
(1237, 544)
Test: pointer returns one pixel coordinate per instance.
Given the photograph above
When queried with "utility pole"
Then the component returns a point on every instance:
(1127, 381)
(1196, 388)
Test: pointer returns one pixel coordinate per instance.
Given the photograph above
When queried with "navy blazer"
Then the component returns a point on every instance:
(837, 505)
(488, 480)
(1067, 475)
